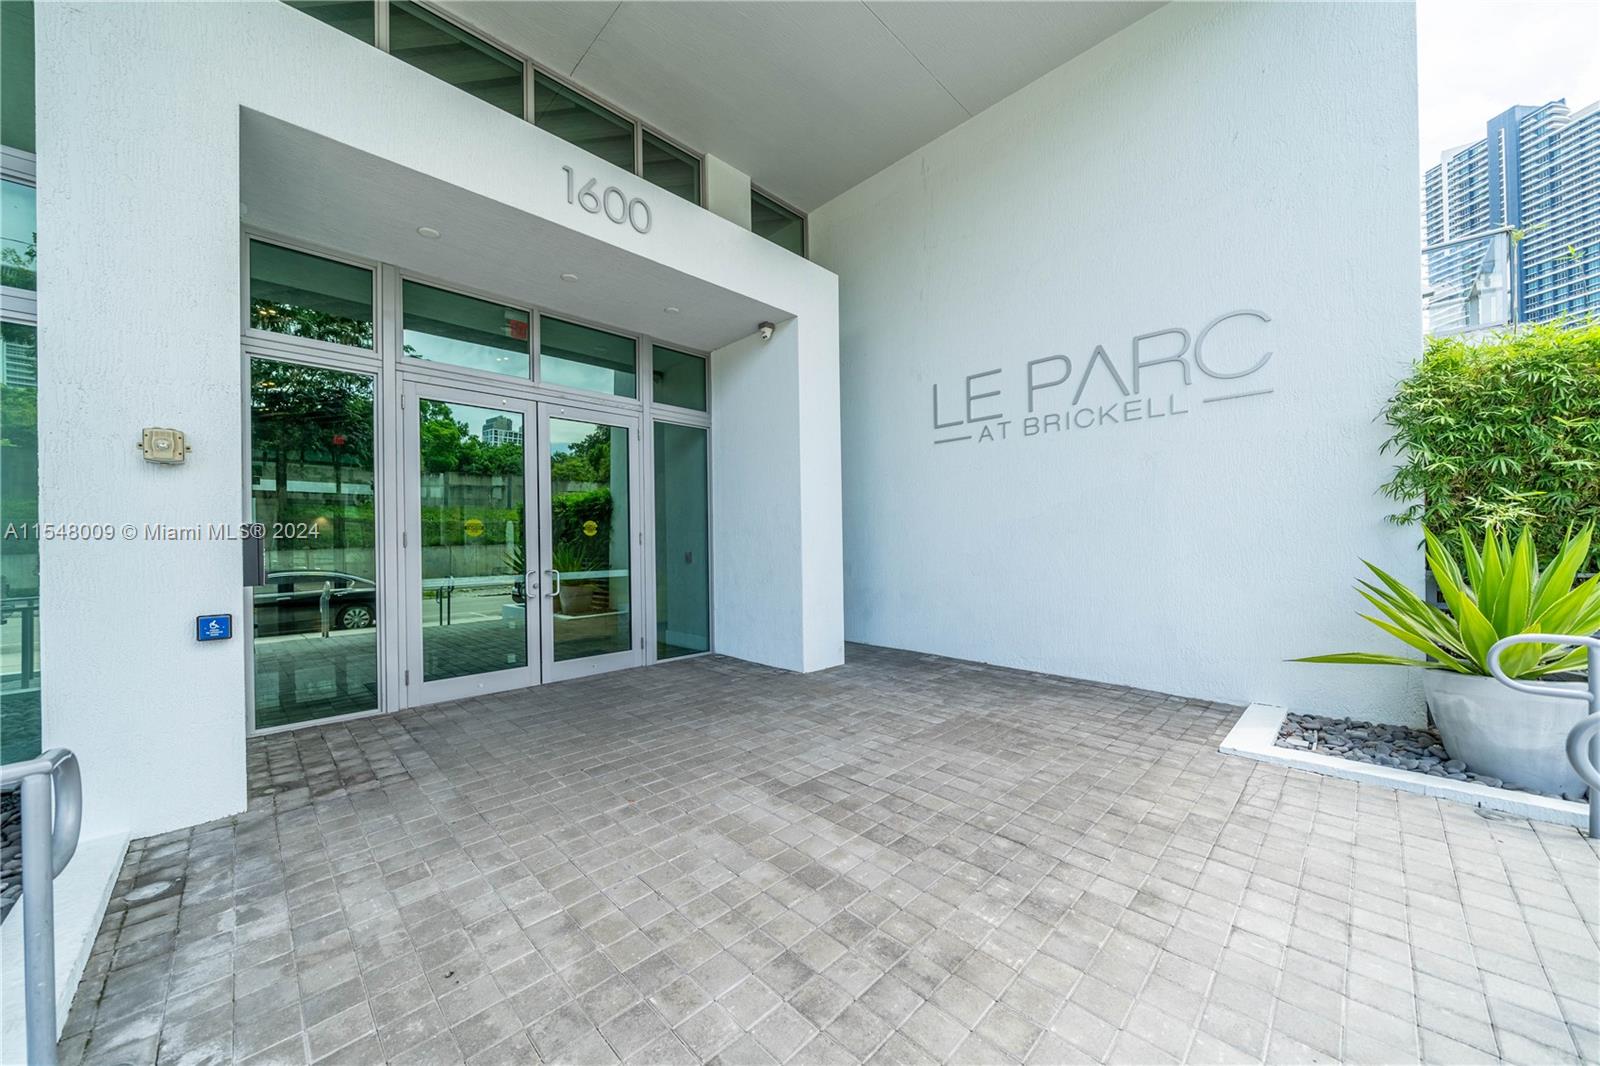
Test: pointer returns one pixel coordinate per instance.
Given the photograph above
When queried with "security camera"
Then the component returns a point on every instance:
(766, 329)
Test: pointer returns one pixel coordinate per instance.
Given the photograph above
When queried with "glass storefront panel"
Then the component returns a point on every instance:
(355, 17)
(579, 120)
(581, 357)
(312, 487)
(677, 378)
(473, 497)
(18, 235)
(447, 327)
(671, 167)
(777, 223)
(308, 296)
(451, 54)
(19, 549)
(16, 75)
(683, 574)
(590, 539)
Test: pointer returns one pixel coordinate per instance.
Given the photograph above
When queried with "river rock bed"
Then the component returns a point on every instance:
(1396, 746)
(10, 850)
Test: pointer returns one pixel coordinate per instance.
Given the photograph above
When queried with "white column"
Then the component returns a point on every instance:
(727, 191)
(776, 533)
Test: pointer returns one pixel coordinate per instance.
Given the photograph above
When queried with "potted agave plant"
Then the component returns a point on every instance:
(576, 595)
(1501, 591)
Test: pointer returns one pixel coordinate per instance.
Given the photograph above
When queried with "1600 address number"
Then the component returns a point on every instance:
(615, 204)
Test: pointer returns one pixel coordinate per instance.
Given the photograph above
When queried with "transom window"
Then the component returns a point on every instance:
(578, 120)
(447, 327)
(582, 357)
(678, 378)
(781, 225)
(452, 53)
(304, 295)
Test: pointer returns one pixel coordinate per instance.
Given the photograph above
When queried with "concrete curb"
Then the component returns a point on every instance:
(1253, 737)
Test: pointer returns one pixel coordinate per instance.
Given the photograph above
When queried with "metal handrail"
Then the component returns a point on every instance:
(1583, 739)
(52, 816)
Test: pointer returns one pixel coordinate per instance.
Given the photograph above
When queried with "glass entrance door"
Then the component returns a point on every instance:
(467, 540)
(588, 474)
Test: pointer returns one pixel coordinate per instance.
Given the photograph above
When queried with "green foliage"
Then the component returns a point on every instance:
(1501, 432)
(310, 415)
(19, 455)
(19, 267)
(310, 324)
(1502, 591)
(574, 550)
(573, 557)
(450, 447)
(308, 419)
(19, 467)
(588, 460)
(444, 525)
(570, 510)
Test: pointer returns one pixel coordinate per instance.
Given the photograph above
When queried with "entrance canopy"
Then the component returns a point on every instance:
(298, 184)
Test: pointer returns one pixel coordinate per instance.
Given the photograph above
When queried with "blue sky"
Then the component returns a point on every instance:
(1475, 58)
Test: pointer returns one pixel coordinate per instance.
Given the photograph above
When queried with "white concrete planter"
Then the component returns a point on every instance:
(1517, 737)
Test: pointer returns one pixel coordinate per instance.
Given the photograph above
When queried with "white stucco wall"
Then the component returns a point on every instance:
(1208, 159)
(139, 213)
(727, 191)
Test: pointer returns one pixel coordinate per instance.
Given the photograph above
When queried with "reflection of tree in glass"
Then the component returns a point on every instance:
(310, 324)
(19, 442)
(449, 446)
(309, 416)
(587, 460)
(18, 266)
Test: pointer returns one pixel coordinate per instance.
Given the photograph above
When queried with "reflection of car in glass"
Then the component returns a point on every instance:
(291, 602)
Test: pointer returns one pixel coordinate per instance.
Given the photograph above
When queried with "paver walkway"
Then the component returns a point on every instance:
(906, 859)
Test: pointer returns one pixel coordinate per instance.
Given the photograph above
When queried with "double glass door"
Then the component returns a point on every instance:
(519, 541)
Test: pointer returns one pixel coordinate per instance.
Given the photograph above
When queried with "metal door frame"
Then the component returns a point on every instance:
(416, 690)
(635, 655)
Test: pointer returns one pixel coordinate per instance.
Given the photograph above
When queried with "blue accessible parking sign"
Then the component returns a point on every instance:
(213, 627)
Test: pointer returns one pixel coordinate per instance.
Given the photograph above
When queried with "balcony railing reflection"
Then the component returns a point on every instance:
(1467, 284)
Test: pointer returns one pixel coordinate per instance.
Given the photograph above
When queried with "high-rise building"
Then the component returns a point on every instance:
(501, 430)
(1530, 188)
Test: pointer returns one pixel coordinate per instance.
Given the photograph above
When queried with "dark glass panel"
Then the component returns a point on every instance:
(777, 223)
(19, 549)
(683, 575)
(582, 357)
(451, 54)
(308, 296)
(671, 167)
(448, 327)
(579, 120)
(355, 17)
(678, 378)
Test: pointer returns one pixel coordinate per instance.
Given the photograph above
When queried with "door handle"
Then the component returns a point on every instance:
(555, 583)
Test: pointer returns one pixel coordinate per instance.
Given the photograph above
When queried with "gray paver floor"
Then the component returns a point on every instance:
(906, 859)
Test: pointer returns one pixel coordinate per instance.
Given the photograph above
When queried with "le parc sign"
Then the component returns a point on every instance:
(1163, 374)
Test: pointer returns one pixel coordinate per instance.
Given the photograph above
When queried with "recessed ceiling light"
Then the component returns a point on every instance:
(569, 277)
(670, 310)
(428, 232)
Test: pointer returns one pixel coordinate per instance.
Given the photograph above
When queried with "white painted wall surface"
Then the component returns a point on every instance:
(139, 209)
(727, 191)
(1209, 158)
